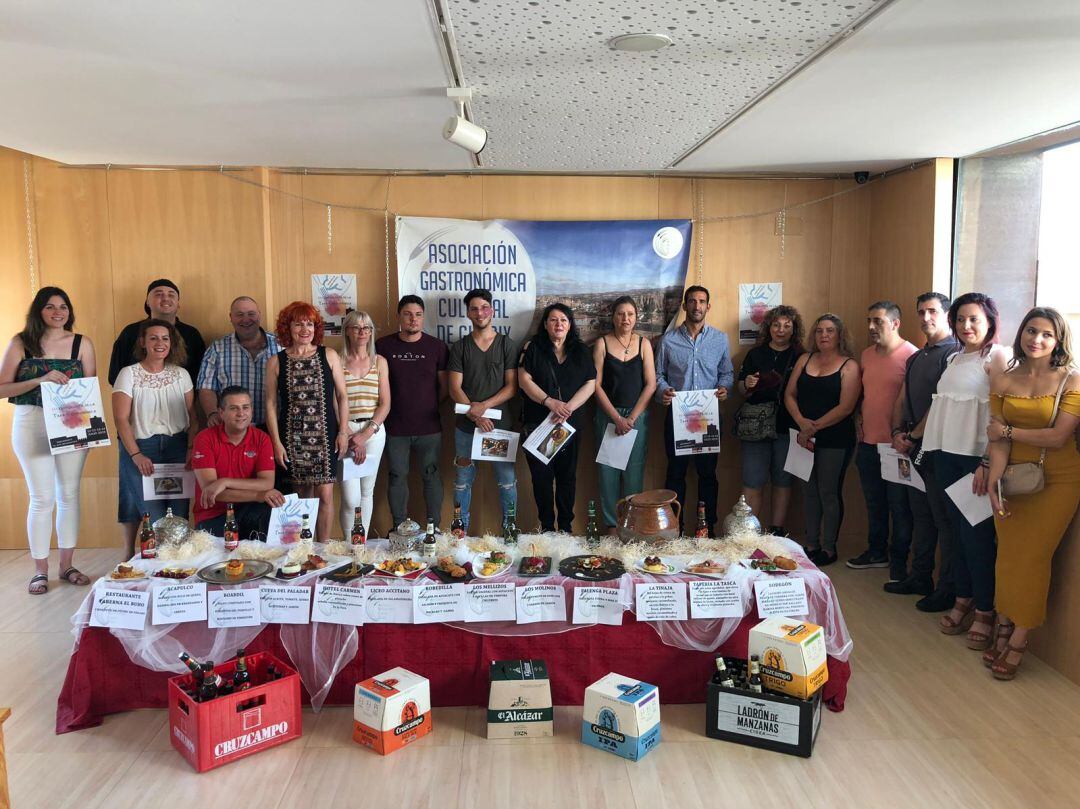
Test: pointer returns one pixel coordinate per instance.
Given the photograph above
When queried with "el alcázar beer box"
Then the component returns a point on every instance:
(519, 702)
(792, 656)
(391, 710)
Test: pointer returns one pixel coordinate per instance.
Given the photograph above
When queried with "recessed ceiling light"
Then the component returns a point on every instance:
(638, 43)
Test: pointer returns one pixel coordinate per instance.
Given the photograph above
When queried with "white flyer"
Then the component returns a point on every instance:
(178, 602)
(695, 419)
(491, 413)
(755, 300)
(119, 608)
(897, 467)
(438, 603)
(597, 605)
(169, 481)
(74, 416)
(716, 598)
(781, 596)
(281, 604)
(537, 603)
(495, 445)
(800, 460)
(287, 520)
(351, 470)
(975, 508)
(388, 604)
(548, 438)
(490, 601)
(661, 601)
(233, 606)
(337, 604)
(333, 296)
(615, 449)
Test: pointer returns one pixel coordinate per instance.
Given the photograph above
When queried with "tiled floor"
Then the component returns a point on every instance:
(925, 726)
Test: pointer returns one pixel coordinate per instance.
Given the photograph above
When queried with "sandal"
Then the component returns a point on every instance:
(75, 576)
(1002, 633)
(977, 639)
(39, 584)
(958, 626)
(1002, 668)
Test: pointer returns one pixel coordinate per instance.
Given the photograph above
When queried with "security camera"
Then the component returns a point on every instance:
(466, 134)
(862, 177)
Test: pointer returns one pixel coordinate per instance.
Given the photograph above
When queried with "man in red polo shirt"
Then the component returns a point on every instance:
(234, 463)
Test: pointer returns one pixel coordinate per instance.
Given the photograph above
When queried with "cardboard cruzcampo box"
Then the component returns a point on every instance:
(519, 702)
(769, 721)
(791, 654)
(622, 716)
(391, 710)
(209, 734)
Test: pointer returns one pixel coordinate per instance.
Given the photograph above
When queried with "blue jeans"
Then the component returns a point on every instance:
(505, 477)
(884, 500)
(763, 461)
(159, 449)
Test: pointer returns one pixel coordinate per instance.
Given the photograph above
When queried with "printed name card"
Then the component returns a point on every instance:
(540, 602)
(388, 604)
(338, 604)
(438, 603)
(119, 608)
(234, 607)
(661, 601)
(179, 602)
(285, 605)
(597, 605)
(490, 601)
(716, 598)
(781, 596)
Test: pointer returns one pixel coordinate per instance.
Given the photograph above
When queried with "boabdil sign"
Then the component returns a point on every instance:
(528, 265)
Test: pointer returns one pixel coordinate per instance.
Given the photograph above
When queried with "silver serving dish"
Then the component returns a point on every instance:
(741, 520)
(406, 538)
(170, 529)
(253, 569)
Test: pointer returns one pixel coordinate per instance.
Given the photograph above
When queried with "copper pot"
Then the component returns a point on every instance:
(651, 516)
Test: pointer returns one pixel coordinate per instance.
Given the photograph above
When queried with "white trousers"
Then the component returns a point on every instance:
(53, 481)
(361, 492)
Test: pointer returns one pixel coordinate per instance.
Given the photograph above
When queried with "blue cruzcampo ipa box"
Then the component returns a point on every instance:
(622, 716)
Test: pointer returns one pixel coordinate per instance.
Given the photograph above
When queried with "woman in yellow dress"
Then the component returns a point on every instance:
(1030, 527)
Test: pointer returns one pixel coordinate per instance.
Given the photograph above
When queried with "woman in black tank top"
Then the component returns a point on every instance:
(626, 380)
(821, 397)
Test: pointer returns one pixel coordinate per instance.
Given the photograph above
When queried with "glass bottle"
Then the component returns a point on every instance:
(358, 535)
(305, 529)
(147, 539)
(232, 532)
(429, 540)
(592, 528)
(457, 526)
(510, 529)
(702, 530)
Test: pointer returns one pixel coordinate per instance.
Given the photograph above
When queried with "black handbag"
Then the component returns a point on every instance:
(757, 422)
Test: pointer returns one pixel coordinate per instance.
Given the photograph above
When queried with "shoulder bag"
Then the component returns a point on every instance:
(1029, 478)
(757, 422)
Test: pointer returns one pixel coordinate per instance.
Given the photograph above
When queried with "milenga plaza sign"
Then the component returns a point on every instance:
(528, 265)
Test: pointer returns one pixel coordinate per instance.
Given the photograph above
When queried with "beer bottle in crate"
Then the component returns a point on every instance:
(358, 535)
(208, 689)
(147, 538)
(241, 677)
(721, 671)
(232, 531)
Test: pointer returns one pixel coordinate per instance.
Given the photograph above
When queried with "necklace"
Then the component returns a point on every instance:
(626, 345)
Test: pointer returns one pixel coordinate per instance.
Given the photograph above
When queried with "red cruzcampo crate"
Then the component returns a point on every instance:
(209, 734)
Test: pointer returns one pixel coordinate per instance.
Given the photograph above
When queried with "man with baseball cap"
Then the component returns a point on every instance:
(162, 303)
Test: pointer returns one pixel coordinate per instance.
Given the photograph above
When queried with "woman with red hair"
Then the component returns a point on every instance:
(305, 404)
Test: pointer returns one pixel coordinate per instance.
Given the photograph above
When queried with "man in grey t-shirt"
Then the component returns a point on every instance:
(482, 375)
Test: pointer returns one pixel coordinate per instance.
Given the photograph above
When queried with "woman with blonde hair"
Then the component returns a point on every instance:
(1035, 410)
(367, 384)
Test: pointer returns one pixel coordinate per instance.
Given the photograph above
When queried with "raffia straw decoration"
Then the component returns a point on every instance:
(195, 544)
(258, 550)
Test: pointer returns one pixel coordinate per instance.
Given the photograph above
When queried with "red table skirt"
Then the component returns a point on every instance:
(101, 679)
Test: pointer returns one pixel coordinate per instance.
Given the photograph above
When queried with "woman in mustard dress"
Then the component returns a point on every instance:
(1030, 527)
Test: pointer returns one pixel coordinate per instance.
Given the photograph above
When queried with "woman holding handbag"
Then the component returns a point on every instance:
(762, 422)
(1034, 476)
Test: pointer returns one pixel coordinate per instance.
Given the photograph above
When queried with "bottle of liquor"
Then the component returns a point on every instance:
(241, 677)
(592, 528)
(208, 690)
(755, 683)
(754, 673)
(190, 662)
(510, 529)
(702, 529)
(271, 673)
(429, 540)
(721, 671)
(232, 531)
(358, 535)
(457, 526)
(305, 529)
(147, 539)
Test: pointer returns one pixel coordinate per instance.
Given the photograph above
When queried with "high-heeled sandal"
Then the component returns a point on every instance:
(981, 641)
(950, 626)
(1002, 632)
(1002, 668)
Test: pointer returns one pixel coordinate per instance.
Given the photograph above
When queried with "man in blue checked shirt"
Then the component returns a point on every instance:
(692, 357)
(238, 359)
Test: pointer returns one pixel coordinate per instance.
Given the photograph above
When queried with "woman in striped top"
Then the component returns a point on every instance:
(367, 383)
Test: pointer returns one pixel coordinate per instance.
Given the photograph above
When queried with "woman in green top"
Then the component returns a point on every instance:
(47, 350)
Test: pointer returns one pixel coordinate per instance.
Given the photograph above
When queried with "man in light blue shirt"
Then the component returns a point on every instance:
(693, 357)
